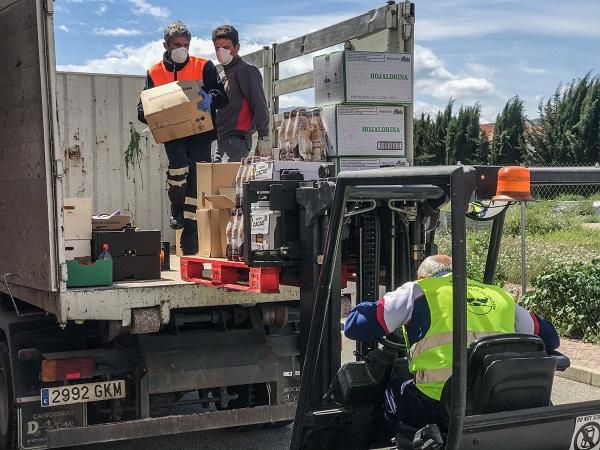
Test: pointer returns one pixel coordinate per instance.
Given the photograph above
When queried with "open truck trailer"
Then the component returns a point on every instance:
(498, 396)
(139, 359)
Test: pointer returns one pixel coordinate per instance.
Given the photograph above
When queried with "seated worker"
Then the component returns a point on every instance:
(424, 308)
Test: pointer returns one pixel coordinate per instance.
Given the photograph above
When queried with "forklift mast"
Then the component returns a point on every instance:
(391, 217)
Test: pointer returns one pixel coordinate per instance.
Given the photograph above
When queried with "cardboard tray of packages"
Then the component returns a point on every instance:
(171, 111)
(110, 222)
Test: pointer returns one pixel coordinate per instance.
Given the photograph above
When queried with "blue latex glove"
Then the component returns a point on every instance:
(204, 105)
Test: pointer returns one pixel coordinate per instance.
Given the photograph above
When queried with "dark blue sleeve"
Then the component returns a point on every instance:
(363, 323)
(548, 333)
(213, 85)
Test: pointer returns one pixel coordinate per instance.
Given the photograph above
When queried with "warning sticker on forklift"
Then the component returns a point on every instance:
(586, 435)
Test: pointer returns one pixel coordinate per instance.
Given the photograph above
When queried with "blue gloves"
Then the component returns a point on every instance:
(204, 105)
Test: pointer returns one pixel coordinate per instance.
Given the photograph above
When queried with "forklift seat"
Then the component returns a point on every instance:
(506, 372)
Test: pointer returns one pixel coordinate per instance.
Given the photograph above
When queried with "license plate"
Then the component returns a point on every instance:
(83, 393)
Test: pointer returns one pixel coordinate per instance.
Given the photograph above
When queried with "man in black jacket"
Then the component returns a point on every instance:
(184, 153)
(247, 109)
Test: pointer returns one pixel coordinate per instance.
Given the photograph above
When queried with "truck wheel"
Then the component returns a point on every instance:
(8, 423)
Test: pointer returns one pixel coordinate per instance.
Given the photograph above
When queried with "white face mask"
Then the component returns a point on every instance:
(224, 56)
(179, 55)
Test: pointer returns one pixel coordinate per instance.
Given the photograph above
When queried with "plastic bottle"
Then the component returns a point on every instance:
(238, 184)
(283, 144)
(317, 136)
(240, 236)
(302, 135)
(292, 142)
(230, 241)
(235, 251)
(104, 254)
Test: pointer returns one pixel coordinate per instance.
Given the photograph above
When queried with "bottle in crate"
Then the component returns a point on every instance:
(229, 232)
(239, 236)
(282, 136)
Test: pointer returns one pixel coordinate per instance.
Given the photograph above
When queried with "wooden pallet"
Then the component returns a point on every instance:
(234, 275)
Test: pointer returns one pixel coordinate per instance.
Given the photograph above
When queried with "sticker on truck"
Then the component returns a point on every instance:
(34, 422)
(83, 393)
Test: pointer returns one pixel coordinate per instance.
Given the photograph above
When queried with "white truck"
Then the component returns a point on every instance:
(135, 359)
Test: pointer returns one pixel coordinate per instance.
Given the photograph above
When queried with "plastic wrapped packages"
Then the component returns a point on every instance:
(302, 135)
(317, 136)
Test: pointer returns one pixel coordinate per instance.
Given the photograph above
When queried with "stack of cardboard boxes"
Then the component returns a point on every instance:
(216, 198)
(362, 96)
(132, 254)
(77, 224)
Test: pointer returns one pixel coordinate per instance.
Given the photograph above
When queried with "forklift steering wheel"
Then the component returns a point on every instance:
(392, 345)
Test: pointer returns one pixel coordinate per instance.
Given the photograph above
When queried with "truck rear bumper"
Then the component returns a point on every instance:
(157, 426)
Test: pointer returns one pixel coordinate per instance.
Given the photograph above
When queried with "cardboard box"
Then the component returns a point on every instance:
(212, 177)
(212, 223)
(177, 240)
(356, 130)
(209, 234)
(349, 164)
(363, 77)
(78, 249)
(110, 222)
(171, 111)
(77, 218)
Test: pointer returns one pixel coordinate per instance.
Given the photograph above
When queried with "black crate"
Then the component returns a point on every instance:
(137, 267)
(136, 254)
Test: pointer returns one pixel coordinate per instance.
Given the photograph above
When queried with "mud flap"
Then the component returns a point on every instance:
(34, 422)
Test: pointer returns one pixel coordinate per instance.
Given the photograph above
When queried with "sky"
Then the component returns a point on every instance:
(484, 51)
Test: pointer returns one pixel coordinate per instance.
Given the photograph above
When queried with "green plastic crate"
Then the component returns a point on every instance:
(100, 273)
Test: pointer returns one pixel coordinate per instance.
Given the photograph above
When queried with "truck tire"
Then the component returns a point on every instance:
(8, 422)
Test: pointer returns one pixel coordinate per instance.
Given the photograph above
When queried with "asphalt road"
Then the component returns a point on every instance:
(565, 391)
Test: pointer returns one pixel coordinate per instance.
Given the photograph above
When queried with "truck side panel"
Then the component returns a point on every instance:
(97, 119)
(27, 228)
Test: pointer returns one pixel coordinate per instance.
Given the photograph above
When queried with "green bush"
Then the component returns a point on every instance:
(569, 296)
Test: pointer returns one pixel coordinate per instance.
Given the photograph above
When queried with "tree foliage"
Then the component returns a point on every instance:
(569, 128)
(567, 132)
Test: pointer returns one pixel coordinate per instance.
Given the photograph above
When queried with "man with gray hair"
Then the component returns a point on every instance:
(424, 311)
(184, 153)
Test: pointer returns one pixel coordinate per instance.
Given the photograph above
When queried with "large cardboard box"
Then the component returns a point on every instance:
(77, 218)
(212, 232)
(363, 77)
(212, 177)
(212, 223)
(365, 163)
(172, 112)
(360, 130)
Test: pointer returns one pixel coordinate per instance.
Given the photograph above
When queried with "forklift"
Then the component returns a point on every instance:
(498, 396)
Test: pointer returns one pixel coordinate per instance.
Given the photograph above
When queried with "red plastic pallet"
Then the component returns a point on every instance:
(233, 275)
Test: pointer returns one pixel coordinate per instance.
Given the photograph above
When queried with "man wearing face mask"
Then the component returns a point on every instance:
(247, 109)
(184, 153)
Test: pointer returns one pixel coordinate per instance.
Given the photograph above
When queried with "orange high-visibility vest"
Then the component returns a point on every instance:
(192, 71)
